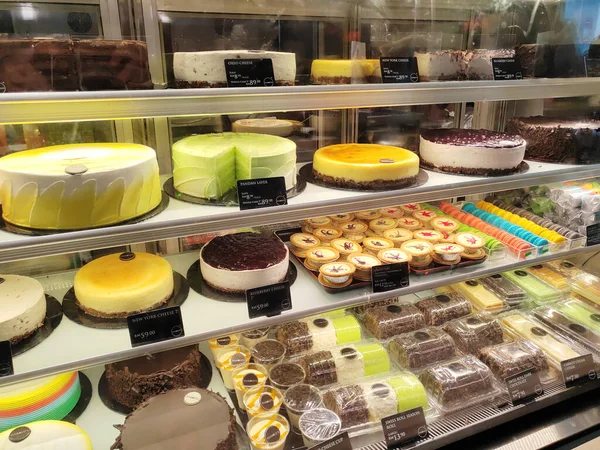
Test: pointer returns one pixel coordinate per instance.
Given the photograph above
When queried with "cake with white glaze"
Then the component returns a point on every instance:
(22, 307)
(45, 435)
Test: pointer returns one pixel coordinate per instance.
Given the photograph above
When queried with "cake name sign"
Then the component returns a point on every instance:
(155, 326)
(399, 70)
(524, 386)
(339, 442)
(261, 193)
(389, 277)
(6, 362)
(404, 427)
(579, 370)
(249, 72)
(507, 69)
(269, 300)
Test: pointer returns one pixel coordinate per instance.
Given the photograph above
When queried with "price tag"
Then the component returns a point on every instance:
(389, 276)
(340, 442)
(249, 72)
(404, 427)
(399, 70)
(579, 370)
(6, 362)
(261, 193)
(592, 67)
(506, 69)
(269, 300)
(155, 326)
(593, 234)
(524, 386)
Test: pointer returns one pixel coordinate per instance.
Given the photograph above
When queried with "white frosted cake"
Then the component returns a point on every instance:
(22, 307)
(78, 186)
(208, 165)
(207, 69)
(471, 152)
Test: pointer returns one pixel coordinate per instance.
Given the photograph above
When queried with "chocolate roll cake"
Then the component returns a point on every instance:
(512, 358)
(473, 333)
(384, 322)
(444, 307)
(295, 336)
(422, 348)
(320, 368)
(349, 403)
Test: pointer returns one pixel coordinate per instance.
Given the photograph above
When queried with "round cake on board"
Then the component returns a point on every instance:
(241, 261)
(45, 435)
(119, 285)
(50, 398)
(133, 381)
(68, 187)
(22, 307)
(183, 419)
(365, 166)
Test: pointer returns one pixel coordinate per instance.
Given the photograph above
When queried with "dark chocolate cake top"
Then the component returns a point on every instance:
(472, 138)
(554, 122)
(244, 251)
(158, 362)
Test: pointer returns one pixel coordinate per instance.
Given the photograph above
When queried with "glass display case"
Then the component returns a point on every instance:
(290, 225)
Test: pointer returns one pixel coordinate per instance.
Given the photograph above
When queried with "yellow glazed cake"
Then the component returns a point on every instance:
(365, 166)
(45, 435)
(69, 187)
(118, 285)
(345, 71)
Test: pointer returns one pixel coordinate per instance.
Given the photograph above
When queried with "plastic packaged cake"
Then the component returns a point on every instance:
(567, 268)
(459, 383)
(361, 309)
(442, 308)
(550, 276)
(475, 332)
(384, 322)
(541, 293)
(588, 286)
(581, 312)
(421, 348)
(507, 290)
(345, 364)
(482, 298)
(318, 333)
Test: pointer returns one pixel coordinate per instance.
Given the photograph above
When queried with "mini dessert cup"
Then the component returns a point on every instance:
(302, 242)
(447, 254)
(327, 234)
(373, 245)
(473, 245)
(285, 375)
(444, 224)
(339, 219)
(409, 223)
(252, 337)
(363, 264)
(220, 344)
(246, 378)
(318, 256)
(337, 274)
(393, 256)
(424, 216)
(268, 431)
(367, 215)
(268, 353)
(300, 399)
(394, 212)
(430, 236)
(235, 357)
(410, 208)
(398, 236)
(346, 247)
(262, 399)
(420, 252)
(382, 224)
(311, 225)
(319, 425)
(353, 230)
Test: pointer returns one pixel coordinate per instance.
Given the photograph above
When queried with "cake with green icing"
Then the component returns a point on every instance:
(409, 391)
(347, 329)
(208, 165)
(375, 357)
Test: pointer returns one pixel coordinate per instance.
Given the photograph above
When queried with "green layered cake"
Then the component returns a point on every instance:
(208, 165)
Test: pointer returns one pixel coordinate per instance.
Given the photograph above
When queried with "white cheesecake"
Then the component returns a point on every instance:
(22, 307)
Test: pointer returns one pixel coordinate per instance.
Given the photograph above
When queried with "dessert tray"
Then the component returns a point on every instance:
(54, 314)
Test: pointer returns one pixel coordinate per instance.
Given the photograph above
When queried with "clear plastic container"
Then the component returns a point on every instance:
(285, 375)
(268, 353)
(549, 276)
(345, 364)
(263, 399)
(318, 333)
(567, 268)
(507, 290)
(361, 309)
(541, 293)
(442, 308)
(421, 348)
(268, 431)
(319, 425)
(482, 298)
(472, 333)
(581, 312)
(252, 337)
(299, 399)
(246, 378)
(232, 358)
(459, 383)
(384, 322)
(588, 286)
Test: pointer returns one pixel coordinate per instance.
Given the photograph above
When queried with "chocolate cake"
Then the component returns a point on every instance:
(512, 358)
(550, 60)
(295, 336)
(422, 348)
(184, 419)
(349, 403)
(320, 368)
(473, 333)
(444, 307)
(574, 140)
(133, 381)
(71, 65)
(384, 322)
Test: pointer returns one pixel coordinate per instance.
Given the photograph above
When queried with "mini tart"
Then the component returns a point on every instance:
(420, 252)
(337, 274)
(394, 212)
(363, 264)
(368, 215)
(428, 235)
(410, 223)
(301, 242)
(346, 247)
(473, 245)
(311, 224)
(398, 235)
(447, 254)
(393, 256)
(445, 224)
(382, 224)
(327, 234)
(448, 237)
(424, 216)
(316, 257)
(411, 208)
(373, 245)
(339, 219)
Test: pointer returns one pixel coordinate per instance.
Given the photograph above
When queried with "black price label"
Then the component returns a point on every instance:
(249, 72)
(506, 69)
(579, 370)
(269, 300)
(593, 234)
(155, 326)
(524, 386)
(6, 363)
(399, 70)
(389, 276)
(340, 442)
(592, 67)
(261, 193)
(404, 427)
